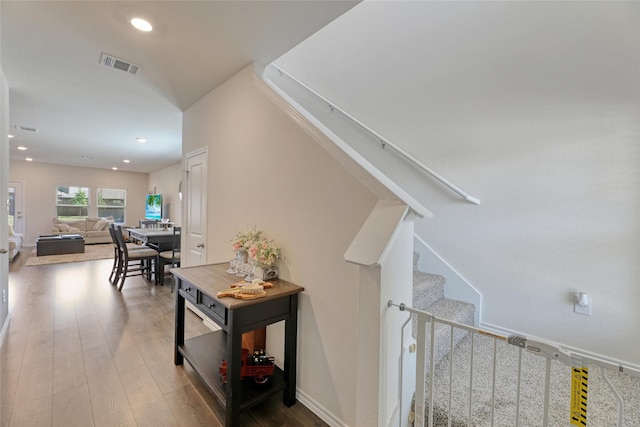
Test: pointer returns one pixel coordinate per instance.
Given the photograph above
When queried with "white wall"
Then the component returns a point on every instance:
(40, 181)
(384, 251)
(396, 285)
(533, 108)
(266, 171)
(166, 181)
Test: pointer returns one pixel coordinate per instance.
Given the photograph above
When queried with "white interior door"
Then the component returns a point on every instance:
(4, 198)
(16, 206)
(196, 209)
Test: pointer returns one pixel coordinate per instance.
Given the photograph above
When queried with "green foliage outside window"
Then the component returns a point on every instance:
(80, 198)
(72, 202)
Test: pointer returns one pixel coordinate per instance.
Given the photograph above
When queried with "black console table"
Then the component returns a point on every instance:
(199, 285)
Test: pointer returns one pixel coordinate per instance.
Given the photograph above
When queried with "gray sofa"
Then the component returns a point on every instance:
(94, 230)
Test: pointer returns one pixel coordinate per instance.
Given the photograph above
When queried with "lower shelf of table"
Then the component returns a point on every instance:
(205, 353)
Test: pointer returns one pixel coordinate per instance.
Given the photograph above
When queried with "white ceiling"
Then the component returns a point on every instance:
(89, 115)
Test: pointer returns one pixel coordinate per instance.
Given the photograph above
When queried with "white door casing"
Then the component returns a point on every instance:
(17, 208)
(196, 208)
(4, 212)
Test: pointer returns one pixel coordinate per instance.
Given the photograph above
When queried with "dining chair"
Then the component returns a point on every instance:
(134, 262)
(117, 253)
(171, 257)
(115, 269)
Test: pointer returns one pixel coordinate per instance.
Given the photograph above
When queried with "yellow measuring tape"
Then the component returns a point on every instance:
(579, 385)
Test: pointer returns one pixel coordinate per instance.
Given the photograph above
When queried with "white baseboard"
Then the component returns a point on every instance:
(211, 324)
(302, 397)
(629, 367)
(319, 410)
(207, 322)
(498, 329)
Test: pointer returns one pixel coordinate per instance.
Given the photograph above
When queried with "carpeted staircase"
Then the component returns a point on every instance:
(428, 295)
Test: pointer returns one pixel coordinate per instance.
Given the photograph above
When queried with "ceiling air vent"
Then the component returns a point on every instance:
(26, 129)
(119, 64)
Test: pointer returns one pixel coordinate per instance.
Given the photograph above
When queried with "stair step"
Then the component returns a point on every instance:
(428, 295)
(427, 289)
(456, 311)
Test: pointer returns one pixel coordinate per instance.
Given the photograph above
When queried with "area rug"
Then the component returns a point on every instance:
(91, 252)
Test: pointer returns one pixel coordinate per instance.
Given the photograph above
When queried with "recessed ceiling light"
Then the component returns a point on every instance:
(28, 159)
(141, 24)
(126, 161)
(141, 140)
(114, 168)
(21, 147)
(11, 136)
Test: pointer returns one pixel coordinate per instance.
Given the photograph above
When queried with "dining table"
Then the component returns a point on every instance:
(159, 238)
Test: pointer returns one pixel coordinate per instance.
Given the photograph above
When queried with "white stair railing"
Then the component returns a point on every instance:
(384, 142)
(564, 399)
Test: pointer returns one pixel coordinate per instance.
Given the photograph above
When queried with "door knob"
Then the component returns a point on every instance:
(3, 251)
(200, 245)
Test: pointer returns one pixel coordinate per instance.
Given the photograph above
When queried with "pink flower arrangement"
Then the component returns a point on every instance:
(264, 252)
(243, 241)
(258, 249)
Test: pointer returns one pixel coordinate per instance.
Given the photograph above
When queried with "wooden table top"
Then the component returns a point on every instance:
(213, 278)
(151, 232)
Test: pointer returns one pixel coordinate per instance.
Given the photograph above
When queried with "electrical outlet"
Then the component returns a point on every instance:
(4, 296)
(579, 309)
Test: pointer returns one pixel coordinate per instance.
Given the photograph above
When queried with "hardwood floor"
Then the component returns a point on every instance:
(79, 353)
